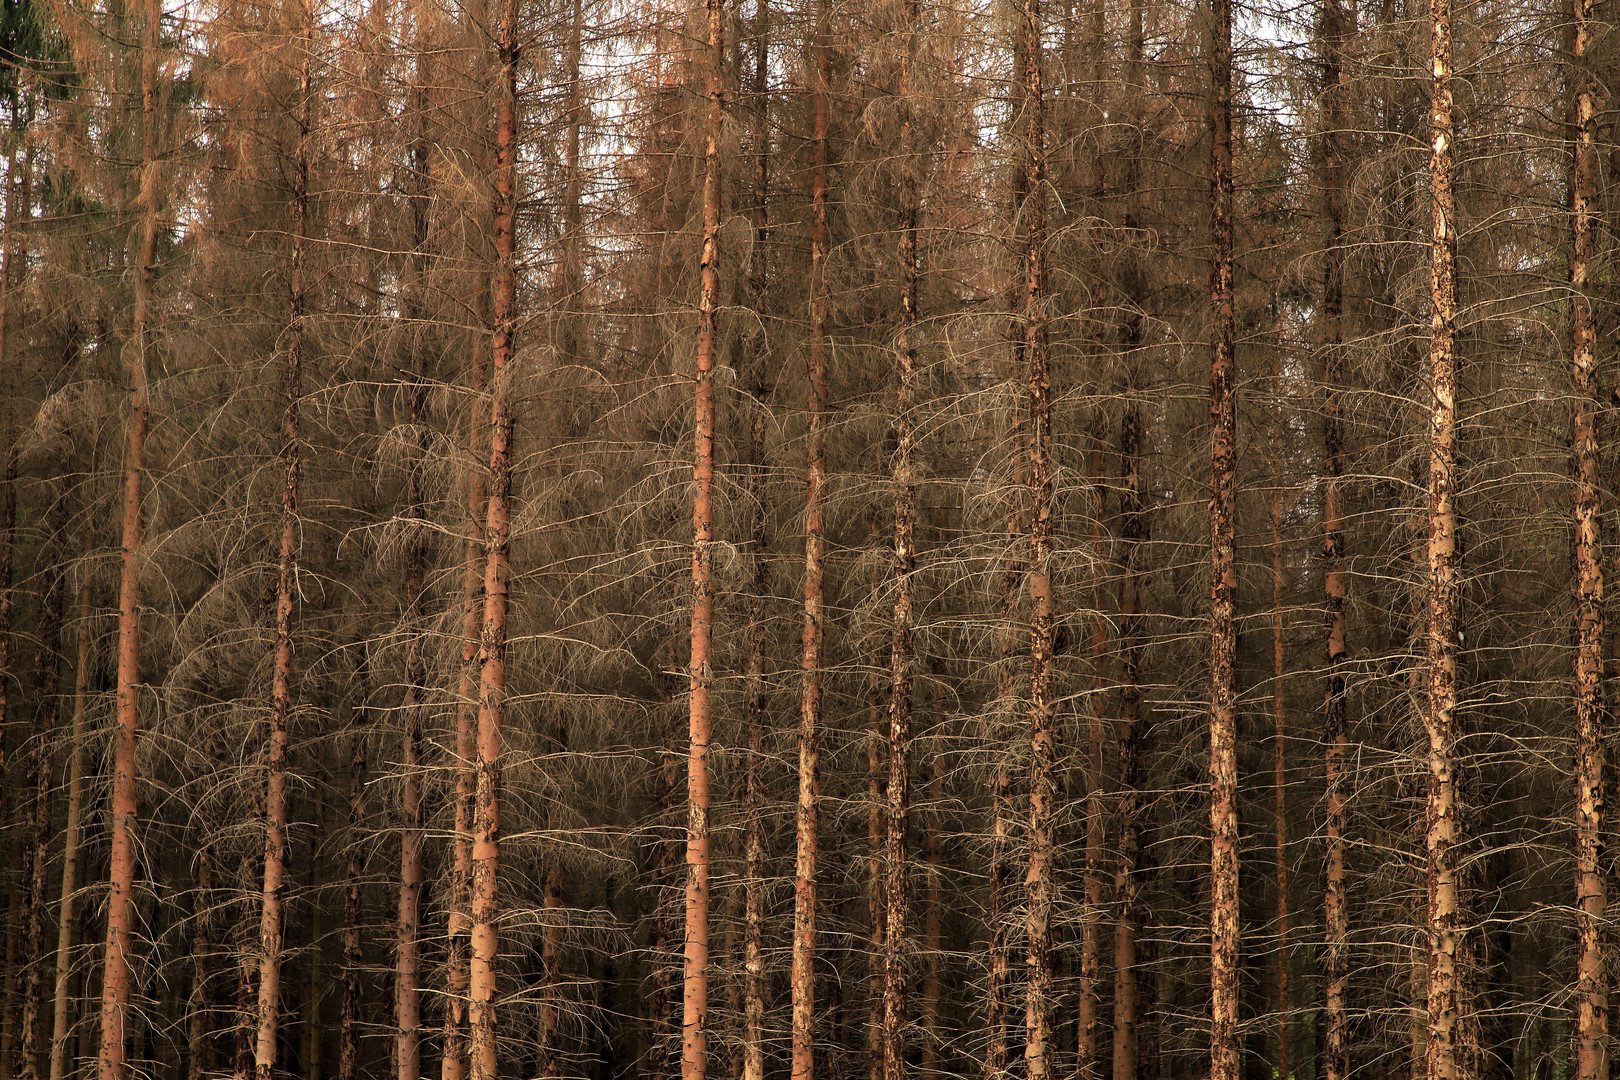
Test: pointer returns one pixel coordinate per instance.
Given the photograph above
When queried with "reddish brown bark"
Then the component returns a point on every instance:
(1448, 1054)
(1591, 893)
(271, 929)
(124, 807)
(454, 1062)
(815, 547)
(1223, 826)
(70, 830)
(484, 878)
(877, 817)
(695, 969)
(1039, 1048)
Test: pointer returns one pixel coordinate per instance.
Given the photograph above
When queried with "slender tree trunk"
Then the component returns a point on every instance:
(1039, 1045)
(695, 976)
(753, 981)
(933, 928)
(998, 973)
(1223, 825)
(1447, 1053)
(271, 928)
(408, 922)
(459, 924)
(353, 887)
(1279, 717)
(1336, 1037)
(124, 808)
(877, 827)
(1096, 822)
(1591, 894)
(70, 830)
(815, 547)
(203, 959)
(1127, 864)
(46, 684)
(497, 543)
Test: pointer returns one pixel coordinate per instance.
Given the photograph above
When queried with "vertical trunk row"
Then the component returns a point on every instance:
(695, 977)
(70, 830)
(1223, 824)
(1591, 898)
(115, 980)
(901, 649)
(1038, 1042)
(484, 898)
(1447, 1053)
(271, 930)
(815, 547)
(1336, 961)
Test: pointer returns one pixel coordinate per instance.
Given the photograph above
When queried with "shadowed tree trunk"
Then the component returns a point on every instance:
(70, 832)
(353, 884)
(1336, 1039)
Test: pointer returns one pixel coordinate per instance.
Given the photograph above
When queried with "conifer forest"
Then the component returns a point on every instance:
(809, 539)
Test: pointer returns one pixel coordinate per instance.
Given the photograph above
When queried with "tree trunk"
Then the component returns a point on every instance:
(484, 901)
(1336, 1036)
(408, 922)
(815, 548)
(70, 830)
(1096, 822)
(695, 973)
(877, 828)
(271, 929)
(1279, 717)
(121, 859)
(46, 684)
(459, 925)
(1447, 1053)
(1591, 896)
(1127, 863)
(1223, 825)
(353, 887)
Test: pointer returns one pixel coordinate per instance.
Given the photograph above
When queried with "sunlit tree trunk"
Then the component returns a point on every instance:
(695, 976)
(1223, 825)
(815, 546)
(484, 900)
(1447, 1053)
(124, 808)
(1591, 895)
(271, 928)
